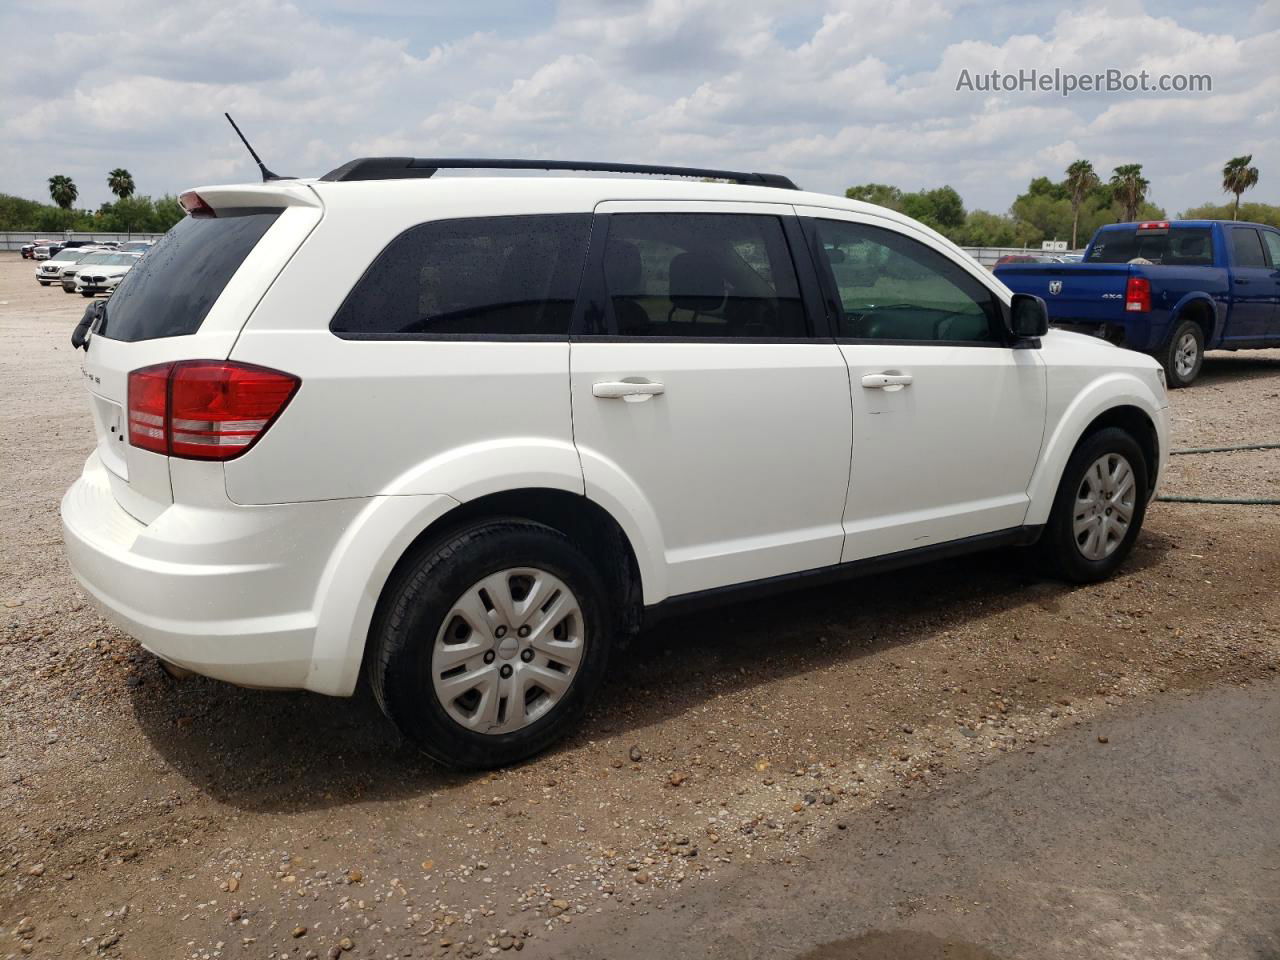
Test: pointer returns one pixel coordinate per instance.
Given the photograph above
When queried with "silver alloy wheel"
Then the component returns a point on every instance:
(1104, 506)
(508, 650)
(1184, 357)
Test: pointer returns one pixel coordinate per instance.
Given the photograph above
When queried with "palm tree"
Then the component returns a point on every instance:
(1237, 177)
(1130, 188)
(1081, 181)
(63, 191)
(120, 181)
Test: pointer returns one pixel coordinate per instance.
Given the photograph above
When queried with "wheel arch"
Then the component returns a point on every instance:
(1117, 400)
(1200, 307)
(588, 526)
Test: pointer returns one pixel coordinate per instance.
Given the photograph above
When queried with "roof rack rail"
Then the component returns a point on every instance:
(402, 168)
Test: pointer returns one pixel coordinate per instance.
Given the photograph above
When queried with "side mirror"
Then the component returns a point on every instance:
(1028, 316)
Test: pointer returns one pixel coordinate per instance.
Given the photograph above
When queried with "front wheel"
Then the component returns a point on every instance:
(488, 646)
(1183, 356)
(1098, 510)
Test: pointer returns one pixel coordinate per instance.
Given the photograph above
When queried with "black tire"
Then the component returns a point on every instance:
(45, 283)
(1059, 552)
(1169, 355)
(409, 619)
(86, 293)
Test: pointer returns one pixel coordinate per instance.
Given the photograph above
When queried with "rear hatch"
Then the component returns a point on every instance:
(1086, 293)
(187, 299)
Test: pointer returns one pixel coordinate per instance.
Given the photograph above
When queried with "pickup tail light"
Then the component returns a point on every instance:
(205, 409)
(1137, 295)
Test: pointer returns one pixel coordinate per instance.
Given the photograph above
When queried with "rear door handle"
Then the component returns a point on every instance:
(632, 391)
(886, 381)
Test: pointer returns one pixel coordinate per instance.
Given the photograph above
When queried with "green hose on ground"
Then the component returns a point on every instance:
(1245, 446)
(1242, 501)
(1258, 502)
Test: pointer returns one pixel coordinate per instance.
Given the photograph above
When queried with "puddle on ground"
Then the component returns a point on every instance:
(898, 945)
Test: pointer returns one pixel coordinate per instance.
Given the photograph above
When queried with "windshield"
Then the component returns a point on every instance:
(1181, 246)
(91, 259)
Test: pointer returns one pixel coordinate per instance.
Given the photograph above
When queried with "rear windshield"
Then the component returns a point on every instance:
(170, 290)
(1180, 246)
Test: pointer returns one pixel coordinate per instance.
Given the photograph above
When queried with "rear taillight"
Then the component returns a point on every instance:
(1137, 295)
(205, 409)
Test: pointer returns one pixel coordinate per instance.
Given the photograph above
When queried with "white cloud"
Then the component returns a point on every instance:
(832, 93)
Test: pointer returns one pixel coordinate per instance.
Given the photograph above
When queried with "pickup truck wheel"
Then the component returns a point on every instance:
(1098, 510)
(1183, 356)
(488, 646)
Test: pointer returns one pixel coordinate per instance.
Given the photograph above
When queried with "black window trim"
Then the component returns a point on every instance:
(593, 319)
(835, 309)
(425, 336)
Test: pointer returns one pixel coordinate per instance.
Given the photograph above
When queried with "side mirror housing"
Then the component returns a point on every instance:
(1028, 317)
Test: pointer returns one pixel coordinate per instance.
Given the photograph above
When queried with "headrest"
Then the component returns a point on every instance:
(622, 268)
(697, 282)
(1191, 247)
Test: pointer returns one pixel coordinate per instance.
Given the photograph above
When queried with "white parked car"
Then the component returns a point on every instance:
(102, 272)
(465, 434)
(55, 268)
(135, 246)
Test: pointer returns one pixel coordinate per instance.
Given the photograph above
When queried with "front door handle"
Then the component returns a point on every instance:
(886, 381)
(632, 391)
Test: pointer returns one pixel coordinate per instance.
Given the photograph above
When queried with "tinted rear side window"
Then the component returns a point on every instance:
(168, 292)
(1246, 248)
(506, 276)
(702, 275)
(1179, 246)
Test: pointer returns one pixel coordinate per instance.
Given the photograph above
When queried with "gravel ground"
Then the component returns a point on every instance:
(140, 817)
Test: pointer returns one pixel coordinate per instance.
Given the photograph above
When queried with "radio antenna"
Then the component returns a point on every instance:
(267, 175)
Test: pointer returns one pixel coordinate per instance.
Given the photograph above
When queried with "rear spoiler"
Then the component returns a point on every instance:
(248, 198)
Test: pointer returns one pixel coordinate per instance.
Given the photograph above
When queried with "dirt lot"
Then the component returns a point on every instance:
(140, 817)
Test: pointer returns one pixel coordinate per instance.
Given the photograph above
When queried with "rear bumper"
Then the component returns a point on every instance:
(229, 592)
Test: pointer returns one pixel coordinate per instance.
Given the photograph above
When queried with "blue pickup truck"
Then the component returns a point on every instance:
(1171, 288)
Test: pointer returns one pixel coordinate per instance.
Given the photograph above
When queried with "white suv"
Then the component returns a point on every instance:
(466, 434)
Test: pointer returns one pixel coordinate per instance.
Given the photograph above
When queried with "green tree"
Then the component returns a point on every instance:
(1237, 177)
(1253, 212)
(881, 194)
(1081, 181)
(1130, 188)
(120, 181)
(63, 191)
(940, 208)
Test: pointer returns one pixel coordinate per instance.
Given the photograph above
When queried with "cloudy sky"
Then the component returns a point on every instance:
(830, 93)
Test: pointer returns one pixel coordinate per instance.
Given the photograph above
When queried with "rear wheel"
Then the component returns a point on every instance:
(1183, 355)
(1098, 510)
(488, 646)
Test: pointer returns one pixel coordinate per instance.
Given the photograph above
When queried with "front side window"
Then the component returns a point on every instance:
(722, 275)
(1246, 248)
(496, 276)
(894, 288)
